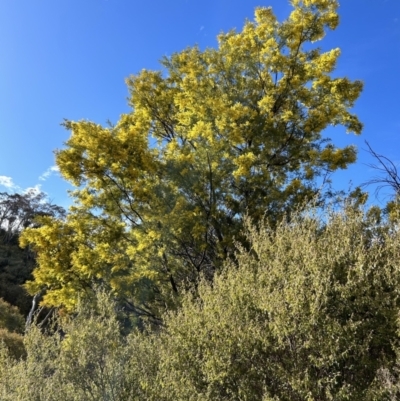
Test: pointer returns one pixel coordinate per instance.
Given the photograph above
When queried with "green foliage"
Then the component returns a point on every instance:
(82, 358)
(310, 311)
(234, 130)
(16, 267)
(12, 325)
(10, 317)
(31, 378)
(13, 343)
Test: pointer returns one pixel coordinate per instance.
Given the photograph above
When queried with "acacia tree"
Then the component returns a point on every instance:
(223, 132)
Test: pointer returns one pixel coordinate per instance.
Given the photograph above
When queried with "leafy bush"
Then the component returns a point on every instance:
(310, 312)
(84, 357)
(13, 342)
(11, 328)
(10, 317)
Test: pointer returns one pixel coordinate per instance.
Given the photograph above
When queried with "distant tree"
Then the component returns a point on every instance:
(233, 130)
(18, 211)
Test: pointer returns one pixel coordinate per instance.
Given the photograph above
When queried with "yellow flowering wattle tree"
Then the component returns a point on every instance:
(220, 133)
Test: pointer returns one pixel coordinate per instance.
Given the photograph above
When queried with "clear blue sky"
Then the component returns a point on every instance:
(69, 58)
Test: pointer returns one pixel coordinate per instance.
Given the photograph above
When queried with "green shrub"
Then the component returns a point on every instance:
(14, 343)
(83, 357)
(311, 312)
(11, 328)
(10, 317)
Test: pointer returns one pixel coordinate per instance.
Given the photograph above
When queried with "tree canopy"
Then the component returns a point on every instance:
(217, 134)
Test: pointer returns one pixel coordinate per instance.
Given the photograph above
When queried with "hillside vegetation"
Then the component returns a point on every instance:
(309, 312)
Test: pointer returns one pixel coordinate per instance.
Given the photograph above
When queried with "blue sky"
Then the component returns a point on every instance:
(69, 59)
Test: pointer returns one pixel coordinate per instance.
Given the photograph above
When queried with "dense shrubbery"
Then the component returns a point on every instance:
(311, 312)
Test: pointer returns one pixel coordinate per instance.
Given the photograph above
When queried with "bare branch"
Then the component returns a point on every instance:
(389, 173)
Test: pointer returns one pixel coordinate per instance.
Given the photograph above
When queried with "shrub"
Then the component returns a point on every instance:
(310, 312)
